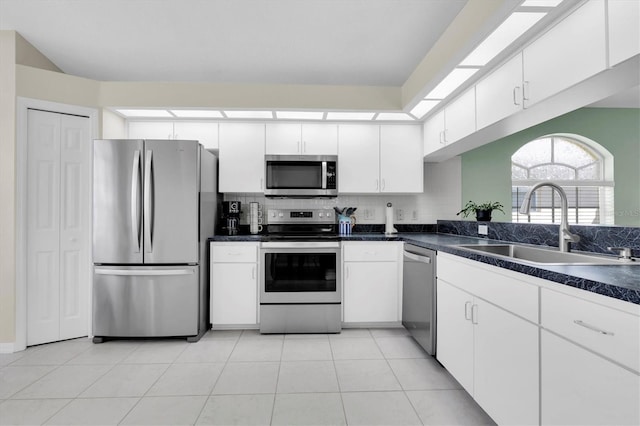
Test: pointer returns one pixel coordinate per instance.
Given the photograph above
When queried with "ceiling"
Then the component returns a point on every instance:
(317, 42)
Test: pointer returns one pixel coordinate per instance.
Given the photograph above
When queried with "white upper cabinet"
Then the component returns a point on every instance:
(624, 30)
(202, 131)
(303, 139)
(359, 158)
(241, 157)
(460, 117)
(434, 133)
(401, 159)
(151, 130)
(499, 95)
(568, 53)
(205, 133)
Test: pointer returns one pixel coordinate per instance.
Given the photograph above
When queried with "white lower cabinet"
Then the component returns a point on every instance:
(492, 352)
(582, 388)
(234, 284)
(372, 282)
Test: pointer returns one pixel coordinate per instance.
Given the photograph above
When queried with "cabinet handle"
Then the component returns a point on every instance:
(299, 146)
(592, 328)
(304, 147)
(383, 184)
(467, 310)
(376, 184)
(175, 136)
(347, 273)
(261, 182)
(253, 273)
(515, 95)
(474, 314)
(169, 136)
(441, 137)
(525, 91)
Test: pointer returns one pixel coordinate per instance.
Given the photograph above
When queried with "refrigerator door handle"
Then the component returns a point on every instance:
(135, 203)
(148, 216)
(144, 272)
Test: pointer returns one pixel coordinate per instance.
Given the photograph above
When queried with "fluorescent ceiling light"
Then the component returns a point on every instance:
(145, 113)
(512, 28)
(541, 3)
(423, 107)
(249, 114)
(300, 115)
(394, 116)
(196, 113)
(350, 115)
(451, 82)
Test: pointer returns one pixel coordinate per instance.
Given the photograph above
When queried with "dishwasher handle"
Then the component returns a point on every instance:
(417, 257)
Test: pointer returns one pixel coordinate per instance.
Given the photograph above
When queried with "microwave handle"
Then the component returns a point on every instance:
(324, 175)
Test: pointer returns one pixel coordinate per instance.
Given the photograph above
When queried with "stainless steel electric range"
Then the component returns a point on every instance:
(301, 281)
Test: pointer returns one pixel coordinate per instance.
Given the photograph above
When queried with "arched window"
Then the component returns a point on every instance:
(582, 167)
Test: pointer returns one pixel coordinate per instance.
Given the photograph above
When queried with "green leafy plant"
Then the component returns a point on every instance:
(471, 207)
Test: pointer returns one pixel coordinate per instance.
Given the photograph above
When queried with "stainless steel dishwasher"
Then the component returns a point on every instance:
(419, 296)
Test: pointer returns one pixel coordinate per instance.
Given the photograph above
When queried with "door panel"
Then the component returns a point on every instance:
(43, 222)
(75, 187)
(145, 301)
(173, 219)
(117, 229)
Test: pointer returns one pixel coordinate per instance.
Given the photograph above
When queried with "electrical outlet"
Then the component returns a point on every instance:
(400, 214)
(369, 214)
(483, 230)
(414, 215)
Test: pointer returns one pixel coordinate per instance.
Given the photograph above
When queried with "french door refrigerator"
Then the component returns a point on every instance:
(154, 206)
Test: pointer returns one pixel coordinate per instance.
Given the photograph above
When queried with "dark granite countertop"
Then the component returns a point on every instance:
(618, 281)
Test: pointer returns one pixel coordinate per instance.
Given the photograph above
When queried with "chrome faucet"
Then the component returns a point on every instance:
(564, 235)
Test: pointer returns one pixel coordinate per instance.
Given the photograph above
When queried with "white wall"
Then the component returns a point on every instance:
(440, 200)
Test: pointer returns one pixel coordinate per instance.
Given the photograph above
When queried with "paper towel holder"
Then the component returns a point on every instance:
(388, 228)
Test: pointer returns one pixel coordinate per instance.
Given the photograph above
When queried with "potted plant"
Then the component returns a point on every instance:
(482, 211)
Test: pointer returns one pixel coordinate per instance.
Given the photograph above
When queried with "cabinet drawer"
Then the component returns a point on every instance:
(365, 252)
(607, 331)
(234, 253)
(491, 284)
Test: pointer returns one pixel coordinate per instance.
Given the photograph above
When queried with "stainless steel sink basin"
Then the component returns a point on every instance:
(543, 255)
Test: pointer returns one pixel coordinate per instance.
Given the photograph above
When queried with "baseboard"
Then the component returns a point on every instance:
(7, 348)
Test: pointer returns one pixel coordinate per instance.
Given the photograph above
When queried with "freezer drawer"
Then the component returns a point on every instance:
(145, 301)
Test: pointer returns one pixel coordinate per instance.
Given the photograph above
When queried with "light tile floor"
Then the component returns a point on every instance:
(358, 377)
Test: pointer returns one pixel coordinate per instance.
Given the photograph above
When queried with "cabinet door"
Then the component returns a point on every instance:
(624, 30)
(359, 158)
(401, 159)
(234, 296)
(567, 54)
(434, 133)
(151, 130)
(320, 139)
(241, 163)
(505, 378)
(371, 292)
(454, 347)
(581, 388)
(460, 117)
(203, 132)
(283, 139)
(499, 95)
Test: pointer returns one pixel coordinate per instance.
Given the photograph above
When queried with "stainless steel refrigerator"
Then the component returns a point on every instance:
(154, 206)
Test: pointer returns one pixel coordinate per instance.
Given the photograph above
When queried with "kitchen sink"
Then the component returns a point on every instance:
(544, 256)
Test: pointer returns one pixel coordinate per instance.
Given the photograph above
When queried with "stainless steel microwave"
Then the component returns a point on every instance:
(302, 176)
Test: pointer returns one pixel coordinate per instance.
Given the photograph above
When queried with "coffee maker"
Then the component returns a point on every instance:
(231, 216)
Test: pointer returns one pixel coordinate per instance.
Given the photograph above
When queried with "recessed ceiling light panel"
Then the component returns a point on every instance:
(146, 113)
(249, 114)
(512, 28)
(196, 113)
(541, 3)
(394, 116)
(451, 82)
(423, 107)
(350, 115)
(300, 115)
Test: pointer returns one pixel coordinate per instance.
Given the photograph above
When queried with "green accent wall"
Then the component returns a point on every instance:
(486, 171)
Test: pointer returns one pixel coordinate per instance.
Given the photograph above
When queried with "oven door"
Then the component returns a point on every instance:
(300, 272)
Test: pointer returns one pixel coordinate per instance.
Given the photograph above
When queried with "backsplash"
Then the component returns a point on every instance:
(593, 238)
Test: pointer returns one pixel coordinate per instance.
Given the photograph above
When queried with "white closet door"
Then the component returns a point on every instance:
(58, 236)
(75, 215)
